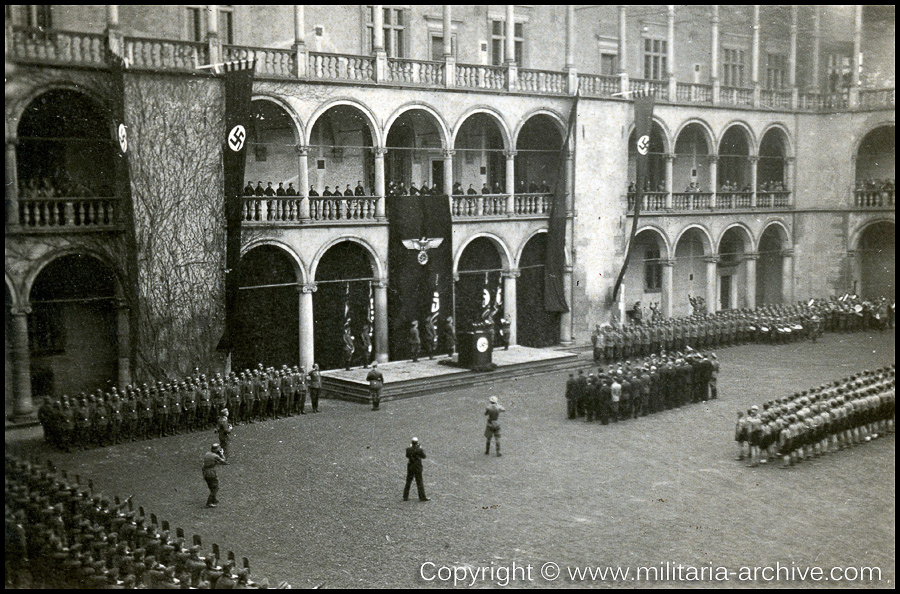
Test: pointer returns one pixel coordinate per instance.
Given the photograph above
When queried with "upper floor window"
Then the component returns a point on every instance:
(733, 67)
(197, 23)
(498, 42)
(437, 47)
(652, 270)
(609, 64)
(395, 31)
(776, 65)
(30, 15)
(839, 72)
(655, 51)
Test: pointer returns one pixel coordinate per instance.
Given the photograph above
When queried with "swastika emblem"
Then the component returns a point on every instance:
(643, 144)
(236, 138)
(123, 138)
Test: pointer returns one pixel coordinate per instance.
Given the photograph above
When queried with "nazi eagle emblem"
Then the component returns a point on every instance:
(423, 245)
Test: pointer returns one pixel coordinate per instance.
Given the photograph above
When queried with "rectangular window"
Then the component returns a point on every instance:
(395, 41)
(437, 47)
(498, 42)
(733, 67)
(839, 72)
(775, 69)
(652, 270)
(609, 64)
(197, 23)
(33, 15)
(655, 66)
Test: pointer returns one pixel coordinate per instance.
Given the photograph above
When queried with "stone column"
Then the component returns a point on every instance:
(303, 166)
(670, 52)
(789, 178)
(113, 32)
(510, 41)
(855, 266)
(448, 173)
(123, 342)
(212, 33)
(787, 275)
(570, 180)
(381, 321)
(713, 179)
(817, 39)
(449, 60)
(792, 58)
(381, 69)
(854, 59)
(754, 161)
(712, 283)
(668, 288)
(509, 301)
(12, 184)
(379, 182)
(565, 319)
(750, 287)
(570, 49)
(754, 57)
(510, 182)
(300, 50)
(307, 325)
(670, 165)
(623, 46)
(714, 54)
(23, 408)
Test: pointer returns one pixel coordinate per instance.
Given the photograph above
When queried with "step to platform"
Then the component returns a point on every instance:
(405, 379)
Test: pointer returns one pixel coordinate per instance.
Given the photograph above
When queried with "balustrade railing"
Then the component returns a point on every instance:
(165, 54)
(472, 76)
(269, 62)
(68, 213)
(341, 67)
(691, 200)
(416, 72)
(775, 99)
(650, 202)
(693, 93)
(533, 204)
(731, 200)
(595, 85)
(874, 198)
(657, 88)
(735, 96)
(542, 81)
(876, 98)
(31, 44)
(359, 208)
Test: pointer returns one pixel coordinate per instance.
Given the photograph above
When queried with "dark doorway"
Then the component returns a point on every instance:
(535, 326)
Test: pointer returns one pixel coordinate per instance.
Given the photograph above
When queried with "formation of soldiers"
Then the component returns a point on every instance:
(192, 404)
(635, 388)
(63, 535)
(814, 422)
(772, 324)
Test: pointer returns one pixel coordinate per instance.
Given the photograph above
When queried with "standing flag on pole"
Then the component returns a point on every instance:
(371, 319)
(431, 336)
(238, 92)
(498, 300)
(487, 315)
(643, 122)
(347, 337)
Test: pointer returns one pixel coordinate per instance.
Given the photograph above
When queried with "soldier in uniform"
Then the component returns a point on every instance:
(492, 412)
(571, 396)
(211, 459)
(376, 383)
(415, 342)
(99, 423)
(414, 455)
(348, 347)
(299, 390)
(114, 413)
(203, 403)
(315, 386)
(449, 330)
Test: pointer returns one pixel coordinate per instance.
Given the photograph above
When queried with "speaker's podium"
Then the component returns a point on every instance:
(476, 348)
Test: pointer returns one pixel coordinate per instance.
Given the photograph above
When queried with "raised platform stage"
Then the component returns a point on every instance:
(405, 379)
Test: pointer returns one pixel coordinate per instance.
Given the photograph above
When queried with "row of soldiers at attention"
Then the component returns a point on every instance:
(192, 404)
(828, 418)
(639, 387)
(64, 535)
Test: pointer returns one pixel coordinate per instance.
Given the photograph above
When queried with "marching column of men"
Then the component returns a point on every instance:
(63, 535)
(193, 404)
(636, 388)
(825, 419)
(770, 324)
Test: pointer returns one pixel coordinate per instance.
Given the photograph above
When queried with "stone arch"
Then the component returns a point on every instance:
(787, 139)
(662, 236)
(870, 126)
(704, 232)
(874, 248)
(879, 163)
(299, 129)
(20, 105)
(783, 231)
(535, 327)
(14, 299)
(490, 112)
(710, 135)
(555, 116)
(856, 234)
(421, 106)
(299, 266)
(369, 116)
(528, 238)
(690, 274)
(748, 236)
(73, 250)
(665, 132)
(774, 239)
(375, 262)
(749, 136)
(499, 245)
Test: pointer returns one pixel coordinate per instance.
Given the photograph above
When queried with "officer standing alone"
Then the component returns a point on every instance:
(414, 455)
(211, 459)
(492, 429)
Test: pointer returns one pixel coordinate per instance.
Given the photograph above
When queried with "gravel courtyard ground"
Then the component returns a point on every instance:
(316, 500)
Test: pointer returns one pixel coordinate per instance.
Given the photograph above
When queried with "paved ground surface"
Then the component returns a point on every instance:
(317, 499)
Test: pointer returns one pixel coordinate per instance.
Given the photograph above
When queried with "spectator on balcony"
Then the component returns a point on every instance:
(360, 190)
(545, 188)
(401, 189)
(471, 191)
(632, 188)
(413, 190)
(312, 191)
(533, 188)
(425, 190)
(348, 191)
(485, 188)
(248, 191)
(260, 190)
(291, 191)
(498, 189)
(520, 187)
(280, 191)
(661, 186)
(327, 191)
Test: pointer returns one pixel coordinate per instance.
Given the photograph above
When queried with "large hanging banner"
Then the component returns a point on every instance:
(238, 92)
(420, 260)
